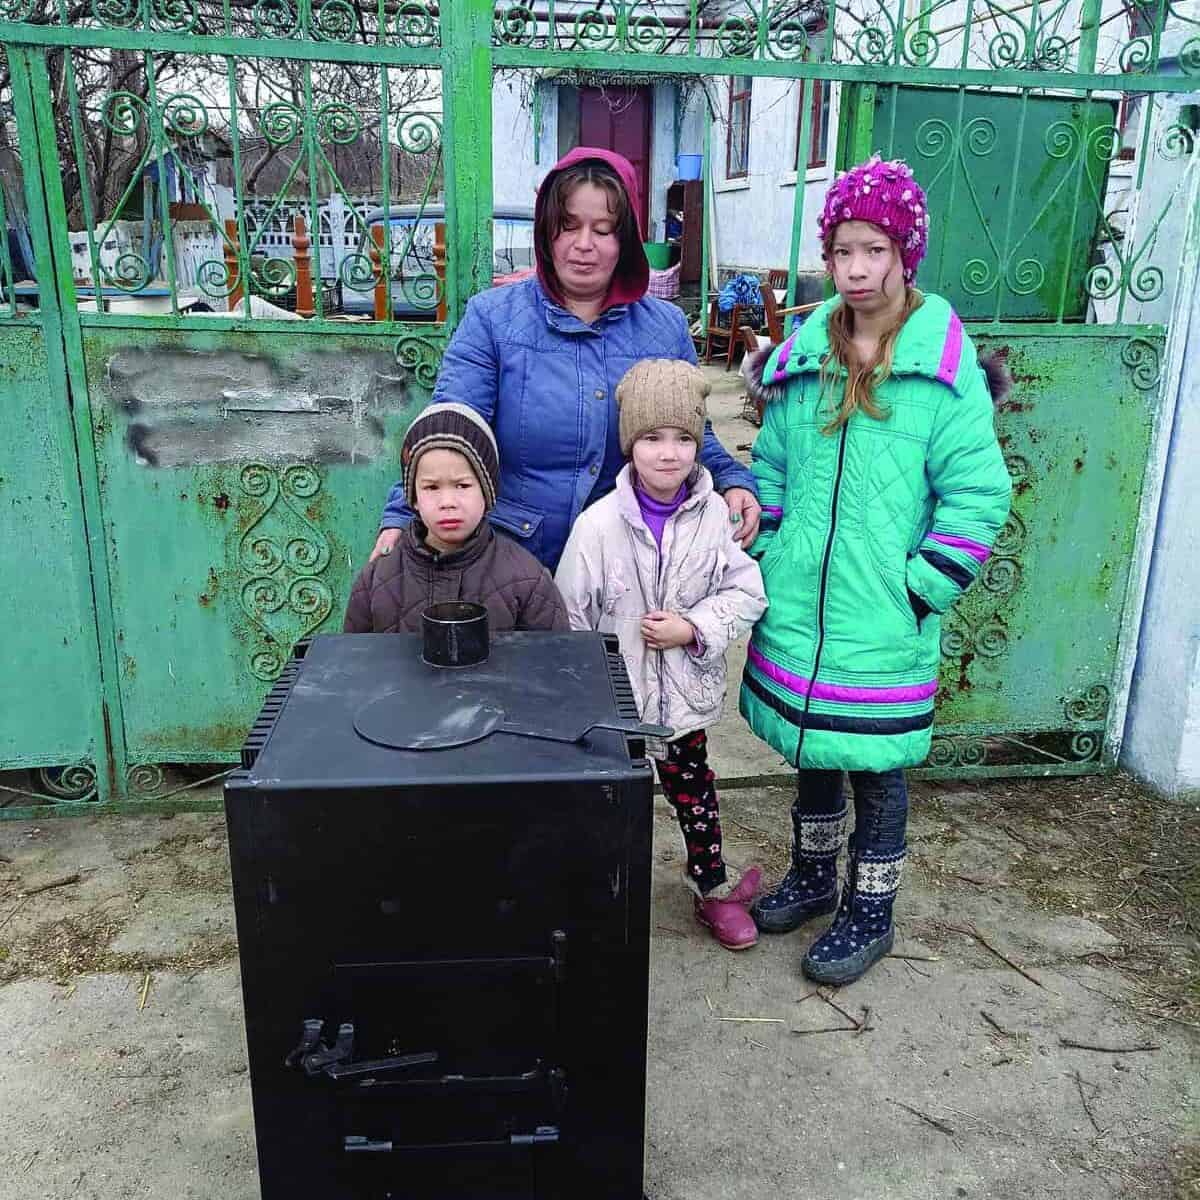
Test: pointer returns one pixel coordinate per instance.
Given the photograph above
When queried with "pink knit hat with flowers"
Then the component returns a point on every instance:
(887, 195)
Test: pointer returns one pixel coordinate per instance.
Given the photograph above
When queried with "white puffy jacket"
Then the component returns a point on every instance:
(612, 573)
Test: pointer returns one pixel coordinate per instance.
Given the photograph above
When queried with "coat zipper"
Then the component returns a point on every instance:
(812, 682)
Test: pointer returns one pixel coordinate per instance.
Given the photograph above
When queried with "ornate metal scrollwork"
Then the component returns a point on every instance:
(282, 555)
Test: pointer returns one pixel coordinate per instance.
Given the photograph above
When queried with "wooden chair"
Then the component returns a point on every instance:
(777, 279)
(775, 320)
(728, 330)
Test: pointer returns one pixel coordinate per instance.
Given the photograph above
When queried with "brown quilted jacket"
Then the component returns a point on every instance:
(489, 569)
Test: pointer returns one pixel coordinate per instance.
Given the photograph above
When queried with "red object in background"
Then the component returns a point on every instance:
(617, 118)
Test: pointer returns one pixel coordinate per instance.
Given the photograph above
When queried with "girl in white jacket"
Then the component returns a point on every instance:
(655, 563)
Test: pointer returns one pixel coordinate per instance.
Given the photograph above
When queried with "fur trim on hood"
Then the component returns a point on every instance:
(993, 365)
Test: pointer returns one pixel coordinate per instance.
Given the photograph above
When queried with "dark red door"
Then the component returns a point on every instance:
(617, 118)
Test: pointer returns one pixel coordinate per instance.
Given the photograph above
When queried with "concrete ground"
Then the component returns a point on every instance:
(1033, 914)
(943, 1072)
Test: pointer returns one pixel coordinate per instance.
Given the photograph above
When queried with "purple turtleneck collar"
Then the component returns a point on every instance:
(656, 513)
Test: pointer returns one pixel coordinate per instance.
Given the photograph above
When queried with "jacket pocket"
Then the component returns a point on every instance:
(702, 684)
(519, 521)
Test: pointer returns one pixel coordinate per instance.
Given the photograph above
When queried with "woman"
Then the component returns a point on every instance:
(540, 361)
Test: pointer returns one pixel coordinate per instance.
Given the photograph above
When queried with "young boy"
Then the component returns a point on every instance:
(450, 552)
(655, 563)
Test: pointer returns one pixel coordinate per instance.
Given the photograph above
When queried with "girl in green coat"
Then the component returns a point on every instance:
(883, 489)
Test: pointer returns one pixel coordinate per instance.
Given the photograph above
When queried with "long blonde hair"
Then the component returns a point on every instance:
(861, 378)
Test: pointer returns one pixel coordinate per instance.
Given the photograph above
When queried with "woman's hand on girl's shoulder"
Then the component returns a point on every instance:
(745, 512)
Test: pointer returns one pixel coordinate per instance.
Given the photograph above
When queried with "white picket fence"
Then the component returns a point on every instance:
(195, 243)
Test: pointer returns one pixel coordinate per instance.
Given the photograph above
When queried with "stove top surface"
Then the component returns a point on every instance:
(357, 697)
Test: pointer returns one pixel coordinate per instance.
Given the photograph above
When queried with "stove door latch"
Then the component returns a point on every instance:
(335, 1062)
(314, 1056)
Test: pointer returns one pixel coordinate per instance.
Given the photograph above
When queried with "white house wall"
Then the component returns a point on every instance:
(754, 215)
(515, 174)
(1162, 736)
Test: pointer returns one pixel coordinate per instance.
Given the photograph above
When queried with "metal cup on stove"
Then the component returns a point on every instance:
(455, 634)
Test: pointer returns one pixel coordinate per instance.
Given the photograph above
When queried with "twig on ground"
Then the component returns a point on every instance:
(755, 1020)
(16, 908)
(838, 1008)
(914, 957)
(1074, 1045)
(52, 883)
(1001, 1061)
(972, 932)
(1084, 1101)
(668, 929)
(1012, 833)
(980, 882)
(916, 970)
(145, 993)
(809, 995)
(863, 1027)
(1167, 1017)
(916, 1112)
(825, 1029)
(996, 1024)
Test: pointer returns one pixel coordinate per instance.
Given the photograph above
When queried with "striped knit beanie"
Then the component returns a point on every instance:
(452, 427)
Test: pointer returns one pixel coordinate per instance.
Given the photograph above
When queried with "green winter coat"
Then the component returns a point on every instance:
(868, 534)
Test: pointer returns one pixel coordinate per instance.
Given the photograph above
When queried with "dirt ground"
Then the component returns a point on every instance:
(1034, 914)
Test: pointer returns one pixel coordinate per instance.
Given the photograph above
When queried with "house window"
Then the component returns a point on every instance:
(737, 146)
(818, 139)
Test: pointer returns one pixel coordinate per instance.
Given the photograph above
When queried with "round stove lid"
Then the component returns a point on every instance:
(443, 717)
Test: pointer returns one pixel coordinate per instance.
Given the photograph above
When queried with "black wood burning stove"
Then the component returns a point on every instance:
(444, 951)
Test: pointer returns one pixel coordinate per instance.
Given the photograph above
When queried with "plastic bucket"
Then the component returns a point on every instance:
(689, 166)
(658, 254)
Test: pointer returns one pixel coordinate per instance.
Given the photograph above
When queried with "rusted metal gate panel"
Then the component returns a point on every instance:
(256, 467)
(1030, 655)
(49, 687)
(195, 492)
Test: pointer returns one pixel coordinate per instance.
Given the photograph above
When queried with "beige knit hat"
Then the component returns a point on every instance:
(658, 392)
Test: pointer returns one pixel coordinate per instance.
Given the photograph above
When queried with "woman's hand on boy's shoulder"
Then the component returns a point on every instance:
(385, 543)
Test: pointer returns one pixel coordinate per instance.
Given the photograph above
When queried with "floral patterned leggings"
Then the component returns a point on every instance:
(689, 785)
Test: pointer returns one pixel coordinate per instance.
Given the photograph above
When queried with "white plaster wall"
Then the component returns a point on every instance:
(1162, 734)
(662, 157)
(515, 174)
(754, 215)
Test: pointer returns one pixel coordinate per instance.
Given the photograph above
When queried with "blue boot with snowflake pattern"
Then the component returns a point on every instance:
(809, 888)
(862, 932)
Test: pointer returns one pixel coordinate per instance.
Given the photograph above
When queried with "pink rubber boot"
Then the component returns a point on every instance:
(726, 916)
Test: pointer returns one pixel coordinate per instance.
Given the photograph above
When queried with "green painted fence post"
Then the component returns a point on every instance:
(1089, 35)
(803, 141)
(707, 206)
(467, 149)
(34, 113)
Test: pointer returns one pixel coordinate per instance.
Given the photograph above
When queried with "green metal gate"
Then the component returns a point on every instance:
(186, 495)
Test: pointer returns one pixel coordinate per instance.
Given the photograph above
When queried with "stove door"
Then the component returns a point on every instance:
(475, 1119)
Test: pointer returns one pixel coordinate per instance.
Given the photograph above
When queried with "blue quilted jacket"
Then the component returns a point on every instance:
(546, 383)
